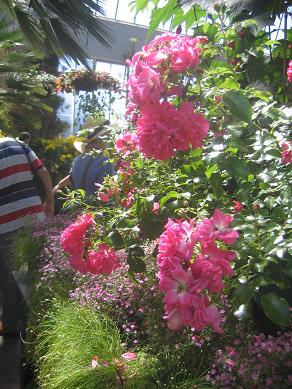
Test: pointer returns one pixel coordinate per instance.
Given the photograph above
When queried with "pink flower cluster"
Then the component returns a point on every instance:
(126, 143)
(75, 240)
(191, 266)
(287, 150)
(289, 72)
(162, 128)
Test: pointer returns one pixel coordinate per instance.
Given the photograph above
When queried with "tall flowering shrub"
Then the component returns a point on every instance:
(166, 121)
(191, 267)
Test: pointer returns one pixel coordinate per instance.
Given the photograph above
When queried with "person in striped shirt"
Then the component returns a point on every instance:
(20, 205)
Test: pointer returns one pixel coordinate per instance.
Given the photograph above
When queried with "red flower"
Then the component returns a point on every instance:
(237, 206)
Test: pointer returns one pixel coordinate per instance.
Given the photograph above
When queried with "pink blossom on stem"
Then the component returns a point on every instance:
(208, 273)
(145, 88)
(156, 207)
(286, 152)
(126, 143)
(178, 239)
(289, 72)
(72, 236)
(178, 288)
(237, 206)
(104, 260)
(221, 223)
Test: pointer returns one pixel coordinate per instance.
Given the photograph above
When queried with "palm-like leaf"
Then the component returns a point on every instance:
(22, 93)
(266, 10)
(60, 23)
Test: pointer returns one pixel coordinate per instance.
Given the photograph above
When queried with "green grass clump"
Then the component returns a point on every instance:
(25, 249)
(69, 337)
(141, 373)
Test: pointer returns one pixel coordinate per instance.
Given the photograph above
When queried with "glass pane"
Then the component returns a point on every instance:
(123, 13)
(103, 67)
(110, 8)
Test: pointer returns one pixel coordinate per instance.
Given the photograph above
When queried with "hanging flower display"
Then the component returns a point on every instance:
(84, 80)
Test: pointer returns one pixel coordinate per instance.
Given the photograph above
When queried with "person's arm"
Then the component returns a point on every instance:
(66, 181)
(49, 200)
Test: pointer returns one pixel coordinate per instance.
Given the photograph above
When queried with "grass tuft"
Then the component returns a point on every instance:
(69, 337)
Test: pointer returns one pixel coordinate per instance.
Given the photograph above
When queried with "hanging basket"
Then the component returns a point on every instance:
(84, 80)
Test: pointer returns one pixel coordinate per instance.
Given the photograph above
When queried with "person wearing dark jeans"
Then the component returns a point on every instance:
(10, 312)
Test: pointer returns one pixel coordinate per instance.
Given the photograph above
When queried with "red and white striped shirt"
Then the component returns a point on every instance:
(19, 200)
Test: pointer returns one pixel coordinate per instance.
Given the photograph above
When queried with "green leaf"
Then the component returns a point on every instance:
(242, 295)
(276, 309)
(238, 104)
(136, 250)
(216, 185)
(229, 83)
(140, 5)
(236, 167)
(116, 239)
(136, 264)
(134, 260)
(171, 195)
(189, 18)
(211, 169)
(179, 17)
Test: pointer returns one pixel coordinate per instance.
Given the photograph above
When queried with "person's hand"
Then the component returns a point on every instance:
(49, 209)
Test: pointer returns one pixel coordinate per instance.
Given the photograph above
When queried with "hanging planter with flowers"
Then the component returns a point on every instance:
(84, 80)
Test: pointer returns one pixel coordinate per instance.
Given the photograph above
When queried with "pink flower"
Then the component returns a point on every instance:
(221, 222)
(156, 207)
(178, 288)
(167, 264)
(177, 240)
(77, 262)
(201, 39)
(175, 91)
(205, 315)
(102, 261)
(129, 356)
(156, 129)
(145, 88)
(72, 237)
(128, 201)
(208, 274)
(289, 72)
(192, 128)
(286, 152)
(94, 361)
(126, 143)
(237, 206)
(104, 197)
(177, 318)
(205, 231)
(184, 54)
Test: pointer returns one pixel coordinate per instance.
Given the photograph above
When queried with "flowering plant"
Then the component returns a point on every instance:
(261, 361)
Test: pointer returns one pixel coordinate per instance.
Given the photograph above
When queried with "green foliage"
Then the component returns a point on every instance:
(65, 361)
(52, 25)
(25, 249)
